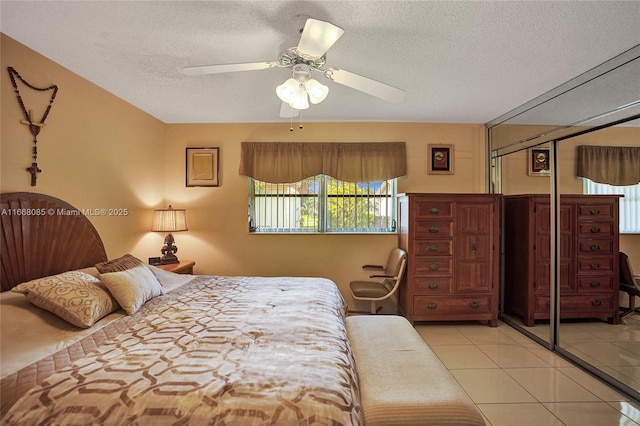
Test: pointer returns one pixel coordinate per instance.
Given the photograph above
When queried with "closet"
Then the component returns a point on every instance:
(558, 264)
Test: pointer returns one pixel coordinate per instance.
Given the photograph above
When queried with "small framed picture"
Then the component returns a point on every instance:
(440, 159)
(203, 165)
(538, 160)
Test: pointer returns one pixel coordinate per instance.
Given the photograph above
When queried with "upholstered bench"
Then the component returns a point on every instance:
(402, 381)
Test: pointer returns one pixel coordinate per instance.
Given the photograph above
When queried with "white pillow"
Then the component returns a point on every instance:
(133, 287)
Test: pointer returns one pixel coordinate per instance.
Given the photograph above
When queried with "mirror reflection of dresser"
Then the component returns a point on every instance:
(588, 257)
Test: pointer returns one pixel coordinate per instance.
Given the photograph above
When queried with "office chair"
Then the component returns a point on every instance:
(630, 284)
(389, 276)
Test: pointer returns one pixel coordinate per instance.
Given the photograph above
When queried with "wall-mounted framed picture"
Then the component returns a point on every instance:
(538, 162)
(203, 165)
(440, 159)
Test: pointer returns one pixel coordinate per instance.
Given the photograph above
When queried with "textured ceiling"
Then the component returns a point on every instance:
(460, 62)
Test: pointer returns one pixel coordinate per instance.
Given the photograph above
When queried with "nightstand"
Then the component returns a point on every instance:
(184, 267)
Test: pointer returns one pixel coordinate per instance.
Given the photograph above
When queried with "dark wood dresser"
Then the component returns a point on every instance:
(452, 242)
(589, 245)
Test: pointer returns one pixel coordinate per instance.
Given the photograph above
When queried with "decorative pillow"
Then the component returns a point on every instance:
(120, 264)
(133, 287)
(59, 279)
(75, 296)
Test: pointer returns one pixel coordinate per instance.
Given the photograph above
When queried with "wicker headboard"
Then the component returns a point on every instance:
(43, 235)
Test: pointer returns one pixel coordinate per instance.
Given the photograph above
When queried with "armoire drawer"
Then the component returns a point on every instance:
(432, 285)
(587, 303)
(596, 229)
(432, 209)
(431, 266)
(429, 247)
(434, 229)
(592, 265)
(595, 283)
(595, 211)
(588, 246)
(426, 305)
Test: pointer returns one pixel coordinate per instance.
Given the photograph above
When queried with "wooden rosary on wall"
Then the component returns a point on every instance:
(34, 127)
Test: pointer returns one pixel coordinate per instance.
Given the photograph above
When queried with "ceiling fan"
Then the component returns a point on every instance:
(309, 56)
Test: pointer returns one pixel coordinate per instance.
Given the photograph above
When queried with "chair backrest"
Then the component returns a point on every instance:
(394, 263)
(626, 272)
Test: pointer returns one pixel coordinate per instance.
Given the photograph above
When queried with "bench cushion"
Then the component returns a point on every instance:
(402, 381)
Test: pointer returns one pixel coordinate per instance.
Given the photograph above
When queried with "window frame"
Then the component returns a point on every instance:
(322, 226)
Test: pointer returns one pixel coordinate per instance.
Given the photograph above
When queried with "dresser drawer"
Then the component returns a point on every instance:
(595, 211)
(426, 305)
(590, 265)
(596, 283)
(433, 209)
(596, 229)
(592, 304)
(588, 246)
(432, 285)
(434, 229)
(428, 247)
(432, 266)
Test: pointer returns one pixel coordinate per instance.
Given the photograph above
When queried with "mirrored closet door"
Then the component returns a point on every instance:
(560, 270)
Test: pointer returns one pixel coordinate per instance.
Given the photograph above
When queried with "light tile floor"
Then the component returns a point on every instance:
(515, 381)
(613, 349)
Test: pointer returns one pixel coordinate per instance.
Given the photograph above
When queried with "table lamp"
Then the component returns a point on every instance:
(169, 220)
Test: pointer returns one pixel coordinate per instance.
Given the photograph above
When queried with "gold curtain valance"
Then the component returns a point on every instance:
(287, 162)
(613, 165)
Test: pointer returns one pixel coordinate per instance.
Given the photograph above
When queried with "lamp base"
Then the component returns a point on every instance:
(167, 260)
(168, 251)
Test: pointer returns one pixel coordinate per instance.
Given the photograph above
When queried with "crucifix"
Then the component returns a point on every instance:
(34, 127)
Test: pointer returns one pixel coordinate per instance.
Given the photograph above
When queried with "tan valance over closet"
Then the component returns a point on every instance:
(614, 165)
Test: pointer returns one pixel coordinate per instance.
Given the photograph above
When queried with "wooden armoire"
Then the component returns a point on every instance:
(453, 246)
(588, 262)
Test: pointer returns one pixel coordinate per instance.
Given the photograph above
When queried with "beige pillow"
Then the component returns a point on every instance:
(133, 287)
(119, 264)
(75, 296)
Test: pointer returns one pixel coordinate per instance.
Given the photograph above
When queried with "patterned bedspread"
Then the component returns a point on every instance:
(219, 350)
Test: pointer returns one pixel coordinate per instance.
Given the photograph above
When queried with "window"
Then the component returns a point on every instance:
(629, 204)
(322, 204)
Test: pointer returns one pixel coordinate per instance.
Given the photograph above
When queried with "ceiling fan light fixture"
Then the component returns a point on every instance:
(317, 91)
(287, 91)
(300, 100)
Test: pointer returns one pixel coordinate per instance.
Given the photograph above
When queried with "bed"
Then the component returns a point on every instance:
(159, 348)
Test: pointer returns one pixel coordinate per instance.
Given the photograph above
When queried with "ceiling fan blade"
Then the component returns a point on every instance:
(317, 37)
(218, 69)
(366, 85)
(287, 111)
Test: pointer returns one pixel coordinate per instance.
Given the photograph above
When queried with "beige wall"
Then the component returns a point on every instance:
(97, 151)
(218, 237)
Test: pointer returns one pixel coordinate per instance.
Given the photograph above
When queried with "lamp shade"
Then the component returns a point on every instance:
(169, 220)
(300, 101)
(317, 91)
(287, 90)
